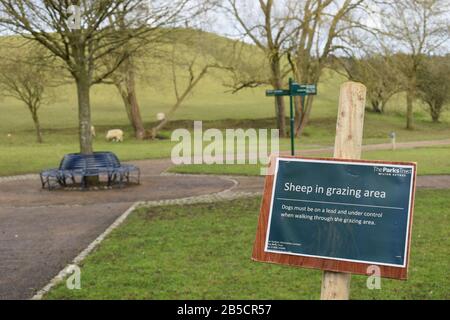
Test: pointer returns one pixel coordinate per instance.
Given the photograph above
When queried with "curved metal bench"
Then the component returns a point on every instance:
(82, 166)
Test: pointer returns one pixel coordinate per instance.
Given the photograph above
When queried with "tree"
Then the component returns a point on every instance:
(414, 29)
(125, 82)
(433, 82)
(187, 71)
(124, 77)
(267, 26)
(378, 74)
(25, 77)
(81, 45)
(319, 32)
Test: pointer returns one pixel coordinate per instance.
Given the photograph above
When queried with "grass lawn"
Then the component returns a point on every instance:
(430, 161)
(203, 252)
(20, 154)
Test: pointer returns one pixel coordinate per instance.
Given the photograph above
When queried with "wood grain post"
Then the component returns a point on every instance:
(348, 145)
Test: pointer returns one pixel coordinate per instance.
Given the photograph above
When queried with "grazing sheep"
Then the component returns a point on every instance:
(115, 135)
(9, 135)
(93, 131)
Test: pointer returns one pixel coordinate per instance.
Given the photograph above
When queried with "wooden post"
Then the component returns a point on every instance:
(348, 145)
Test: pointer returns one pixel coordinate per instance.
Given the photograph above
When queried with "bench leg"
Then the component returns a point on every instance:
(62, 181)
(121, 184)
(42, 181)
(47, 183)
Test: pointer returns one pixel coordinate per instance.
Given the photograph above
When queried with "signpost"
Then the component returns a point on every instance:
(393, 136)
(294, 90)
(340, 215)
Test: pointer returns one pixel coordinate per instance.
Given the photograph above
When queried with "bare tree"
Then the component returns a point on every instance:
(378, 74)
(414, 29)
(187, 72)
(267, 26)
(25, 77)
(321, 27)
(124, 77)
(82, 47)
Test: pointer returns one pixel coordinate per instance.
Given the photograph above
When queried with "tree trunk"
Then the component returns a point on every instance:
(192, 84)
(135, 112)
(277, 84)
(383, 106)
(123, 93)
(435, 111)
(409, 110)
(435, 118)
(377, 106)
(84, 113)
(281, 116)
(37, 126)
(304, 116)
(131, 104)
(155, 130)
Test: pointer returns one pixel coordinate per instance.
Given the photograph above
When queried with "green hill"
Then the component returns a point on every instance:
(210, 101)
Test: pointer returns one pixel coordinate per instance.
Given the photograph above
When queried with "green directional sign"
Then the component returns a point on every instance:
(303, 90)
(277, 93)
(295, 90)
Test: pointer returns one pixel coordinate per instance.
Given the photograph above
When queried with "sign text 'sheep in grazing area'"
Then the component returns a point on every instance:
(342, 214)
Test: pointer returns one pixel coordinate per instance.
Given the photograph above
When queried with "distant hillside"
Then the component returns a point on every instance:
(210, 101)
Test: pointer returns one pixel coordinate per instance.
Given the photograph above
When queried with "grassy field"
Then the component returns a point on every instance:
(211, 102)
(430, 161)
(20, 154)
(203, 252)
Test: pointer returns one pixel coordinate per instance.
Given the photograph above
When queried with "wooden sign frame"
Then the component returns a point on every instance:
(259, 253)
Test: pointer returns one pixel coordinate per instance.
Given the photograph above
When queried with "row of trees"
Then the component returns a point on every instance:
(296, 38)
(32, 76)
(385, 77)
(101, 49)
(302, 38)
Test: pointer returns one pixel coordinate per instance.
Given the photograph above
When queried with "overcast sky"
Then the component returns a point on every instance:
(218, 22)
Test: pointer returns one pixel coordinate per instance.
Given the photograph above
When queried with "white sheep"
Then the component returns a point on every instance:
(115, 135)
(93, 131)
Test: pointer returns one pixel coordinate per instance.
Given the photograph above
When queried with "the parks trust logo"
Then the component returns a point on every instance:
(392, 171)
